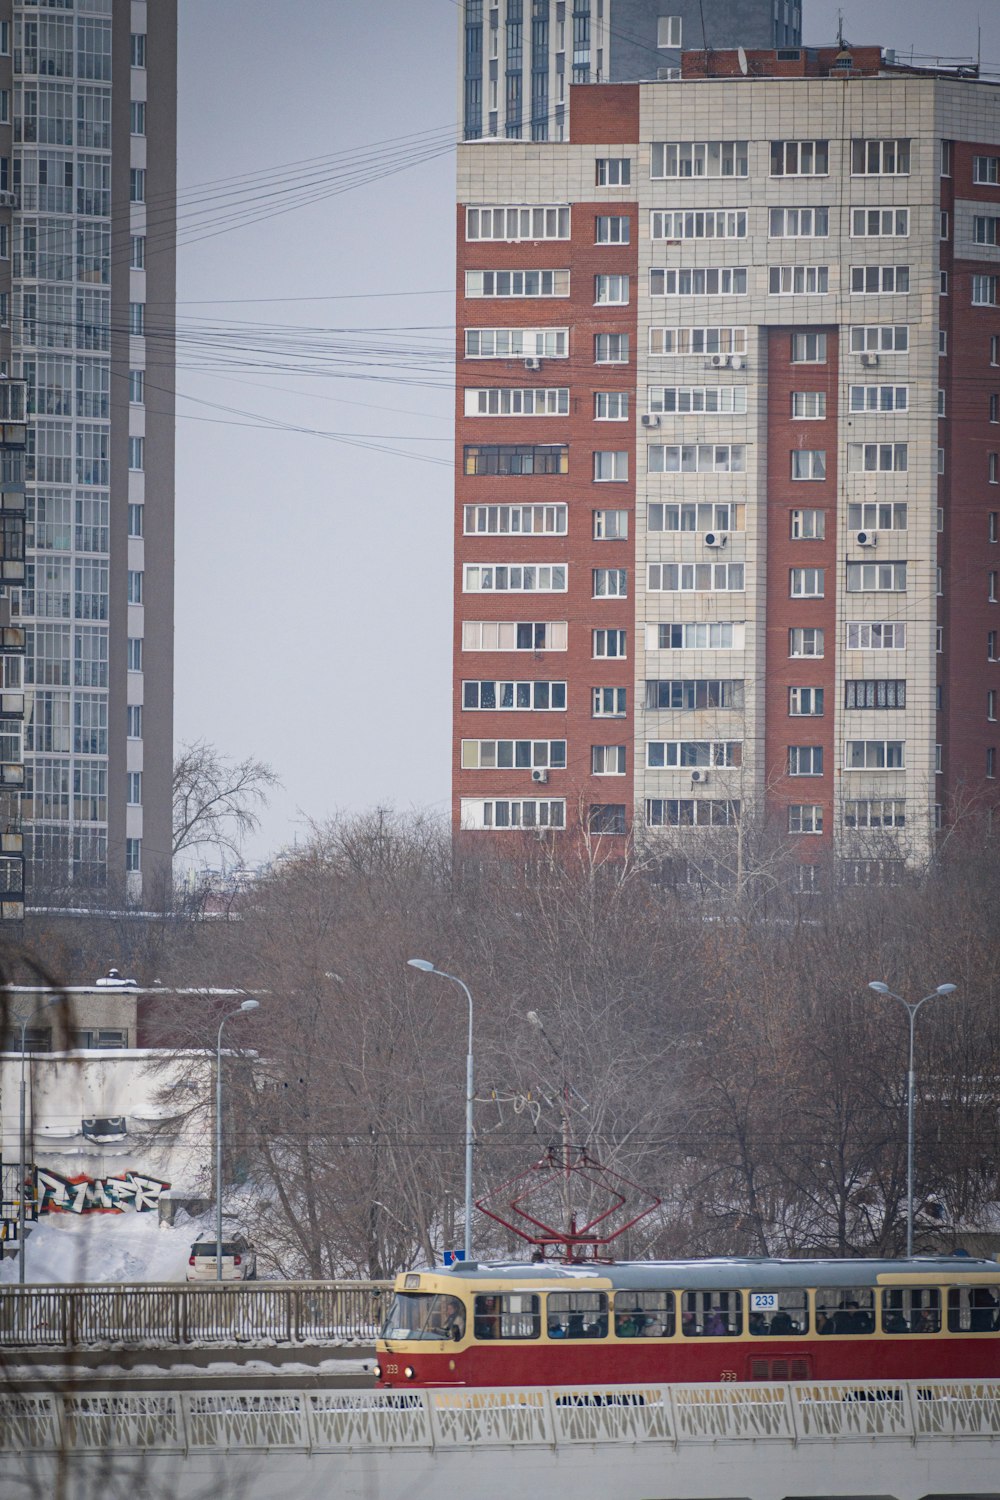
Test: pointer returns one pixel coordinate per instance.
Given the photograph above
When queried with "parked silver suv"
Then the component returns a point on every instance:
(239, 1259)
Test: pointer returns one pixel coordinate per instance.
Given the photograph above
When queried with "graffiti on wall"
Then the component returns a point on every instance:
(97, 1195)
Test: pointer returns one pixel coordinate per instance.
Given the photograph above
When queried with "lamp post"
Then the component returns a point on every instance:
(911, 1007)
(22, 1021)
(247, 1005)
(426, 967)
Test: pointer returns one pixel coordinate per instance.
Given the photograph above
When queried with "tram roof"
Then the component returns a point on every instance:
(711, 1274)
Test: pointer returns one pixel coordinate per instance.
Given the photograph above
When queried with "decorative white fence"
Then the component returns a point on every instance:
(337, 1421)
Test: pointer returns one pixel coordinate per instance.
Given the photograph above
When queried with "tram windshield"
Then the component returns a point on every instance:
(424, 1315)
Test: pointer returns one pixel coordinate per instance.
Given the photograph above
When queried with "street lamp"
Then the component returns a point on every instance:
(22, 1021)
(426, 967)
(912, 1007)
(247, 1005)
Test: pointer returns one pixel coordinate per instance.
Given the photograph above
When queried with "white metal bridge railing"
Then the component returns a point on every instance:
(332, 1421)
(152, 1316)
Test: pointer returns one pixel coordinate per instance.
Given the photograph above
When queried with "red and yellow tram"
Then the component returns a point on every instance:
(697, 1322)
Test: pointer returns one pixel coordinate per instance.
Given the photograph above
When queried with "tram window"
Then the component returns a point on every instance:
(845, 1310)
(973, 1309)
(647, 1315)
(911, 1309)
(512, 1315)
(781, 1314)
(420, 1315)
(577, 1315)
(711, 1314)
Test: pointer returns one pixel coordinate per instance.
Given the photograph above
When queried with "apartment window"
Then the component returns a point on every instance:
(515, 401)
(991, 704)
(529, 696)
(798, 223)
(879, 223)
(876, 577)
(991, 762)
(876, 515)
(993, 526)
(699, 159)
(939, 517)
(876, 635)
(808, 348)
(805, 760)
(940, 581)
(994, 407)
(883, 280)
(494, 755)
(138, 49)
(992, 588)
(613, 171)
(612, 229)
(691, 516)
(516, 343)
(808, 525)
(134, 784)
(880, 398)
(946, 158)
(697, 458)
(806, 583)
(515, 578)
(943, 284)
(690, 812)
(986, 170)
(514, 635)
(517, 283)
(610, 467)
(502, 814)
(715, 400)
(984, 229)
(668, 32)
(137, 117)
(136, 318)
(609, 702)
(135, 587)
(515, 520)
(805, 702)
(937, 760)
(693, 694)
(880, 338)
(133, 851)
(880, 158)
(699, 578)
(984, 291)
(609, 643)
(610, 291)
(875, 813)
(609, 583)
(611, 349)
(805, 818)
(809, 406)
(135, 520)
(513, 224)
(610, 406)
(800, 158)
(137, 453)
(942, 342)
(714, 342)
(798, 281)
(806, 640)
(135, 653)
(875, 692)
(137, 252)
(137, 185)
(608, 760)
(133, 715)
(672, 755)
(808, 463)
(515, 459)
(699, 281)
(610, 525)
(877, 458)
(4, 38)
(874, 755)
(136, 387)
(606, 818)
(993, 468)
(698, 224)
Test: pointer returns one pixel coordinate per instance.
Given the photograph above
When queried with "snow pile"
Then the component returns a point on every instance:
(107, 1247)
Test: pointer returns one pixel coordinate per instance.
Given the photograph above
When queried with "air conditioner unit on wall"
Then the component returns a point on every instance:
(716, 538)
(718, 362)
(699, 777)
(651, 419)
(869, 358)
(866, 538)
(540, 775)
(532, 364)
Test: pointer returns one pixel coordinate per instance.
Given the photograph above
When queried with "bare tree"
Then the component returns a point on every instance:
(217, 801)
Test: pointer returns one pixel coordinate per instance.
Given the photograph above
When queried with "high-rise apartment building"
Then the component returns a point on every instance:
(519, 57)
(728, 505)
(87, 224)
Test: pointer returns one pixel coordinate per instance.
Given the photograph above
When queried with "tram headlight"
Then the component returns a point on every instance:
(377, 1371)
(408, 1372)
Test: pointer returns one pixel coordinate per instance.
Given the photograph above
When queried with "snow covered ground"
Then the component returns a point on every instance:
(107, 1247)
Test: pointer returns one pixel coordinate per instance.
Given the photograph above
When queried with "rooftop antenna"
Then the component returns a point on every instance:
(840, 29)
(704, 35)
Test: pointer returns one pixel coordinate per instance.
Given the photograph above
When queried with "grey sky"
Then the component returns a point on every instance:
(314, 577)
